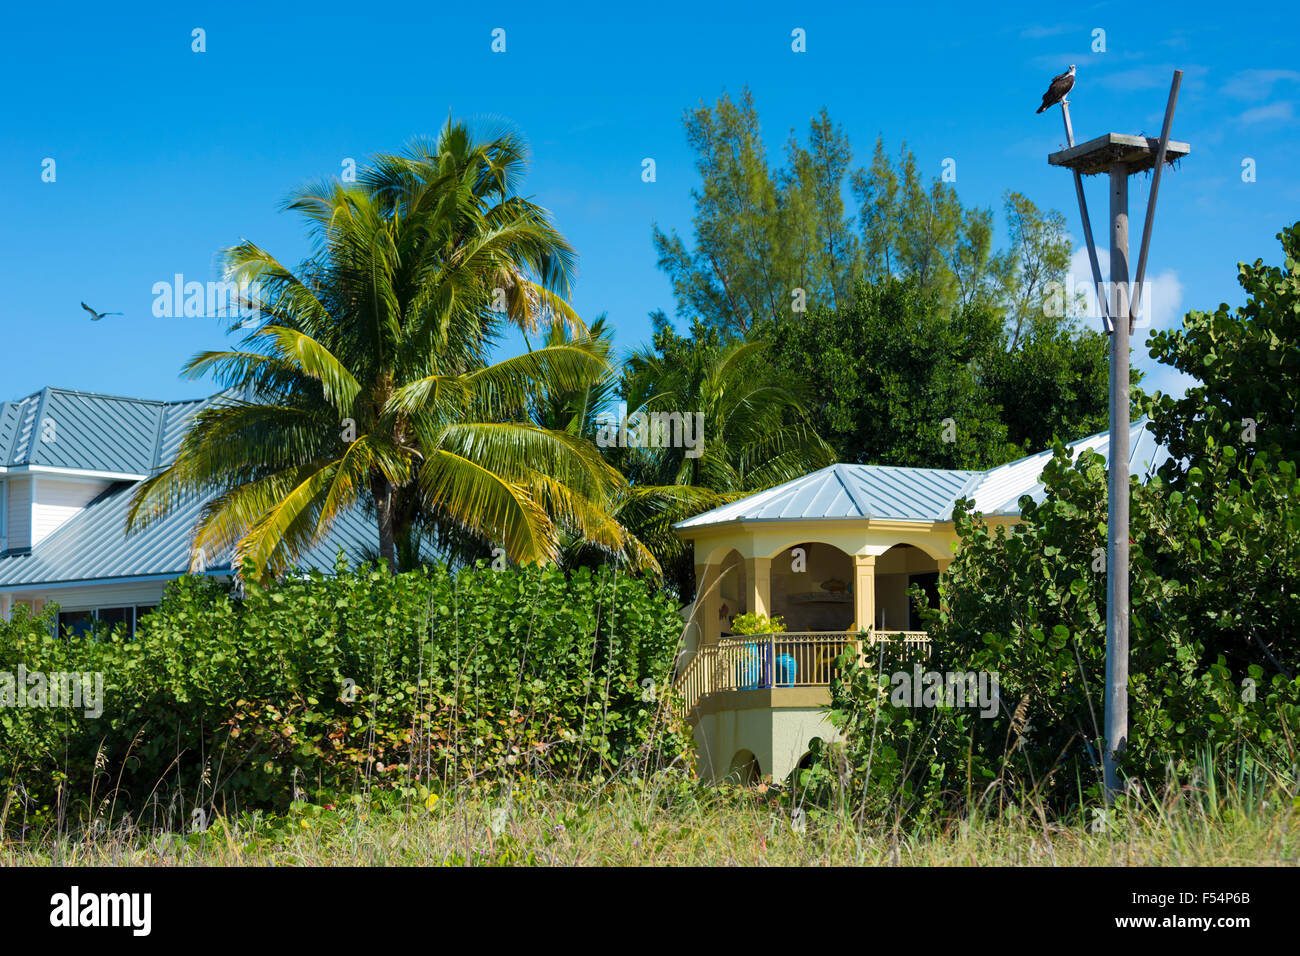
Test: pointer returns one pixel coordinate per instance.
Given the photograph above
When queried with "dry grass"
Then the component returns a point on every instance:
(679, 823)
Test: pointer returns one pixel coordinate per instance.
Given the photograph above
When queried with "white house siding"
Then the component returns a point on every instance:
(57, 500)
(18, 523)
(87, 597)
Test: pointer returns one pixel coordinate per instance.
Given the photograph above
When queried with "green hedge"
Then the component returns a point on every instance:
(324, 684)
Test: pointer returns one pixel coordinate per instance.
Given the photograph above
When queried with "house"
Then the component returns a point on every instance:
(833, 554)
(69, 464)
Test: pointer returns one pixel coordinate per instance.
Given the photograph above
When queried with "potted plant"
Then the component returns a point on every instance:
(754, 669)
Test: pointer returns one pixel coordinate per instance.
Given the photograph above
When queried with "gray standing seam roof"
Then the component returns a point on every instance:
(82, 431)
(843, 491)
(102, 433)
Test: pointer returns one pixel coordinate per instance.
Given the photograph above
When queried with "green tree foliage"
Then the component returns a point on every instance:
(890, 370)
(1053, 384)
(337, 684)
(986, 337)
(1248, 363)
(738, 271)
(762, 233)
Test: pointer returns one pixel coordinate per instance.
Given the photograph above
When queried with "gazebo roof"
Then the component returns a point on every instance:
(924, 495)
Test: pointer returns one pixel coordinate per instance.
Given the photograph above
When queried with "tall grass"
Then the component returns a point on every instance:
(1246, 817)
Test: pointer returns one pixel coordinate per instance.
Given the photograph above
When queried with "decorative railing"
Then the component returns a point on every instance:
(763, 661)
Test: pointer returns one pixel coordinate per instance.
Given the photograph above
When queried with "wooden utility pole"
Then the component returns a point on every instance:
(1120, 156)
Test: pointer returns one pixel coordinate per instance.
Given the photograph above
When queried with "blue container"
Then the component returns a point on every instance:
(787, 671)
(749, 669)
(754, 670)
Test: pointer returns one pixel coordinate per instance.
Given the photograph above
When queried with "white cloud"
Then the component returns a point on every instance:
(1282, 111)
(1162, 294)
(1257, 84)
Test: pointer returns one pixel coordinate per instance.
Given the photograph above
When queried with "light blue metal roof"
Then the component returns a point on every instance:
(94, 546)
(99, 433)
(83, 431)
(849, 491)
(926, 495)
(1000, 489)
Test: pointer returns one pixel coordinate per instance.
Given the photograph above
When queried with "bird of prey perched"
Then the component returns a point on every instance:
(1060, 86)
(96, 316)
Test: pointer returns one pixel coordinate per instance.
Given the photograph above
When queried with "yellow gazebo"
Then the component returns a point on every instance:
(833, 554)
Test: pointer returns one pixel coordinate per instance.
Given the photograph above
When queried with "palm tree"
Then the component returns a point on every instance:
(368, 381)
(756, 434)
(646, 511)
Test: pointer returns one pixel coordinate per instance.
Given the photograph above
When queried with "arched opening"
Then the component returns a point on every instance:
(812, 587)
(896, 571)
(733, 589)
(745, 771)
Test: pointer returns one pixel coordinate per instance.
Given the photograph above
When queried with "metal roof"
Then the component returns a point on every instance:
(926, 495)
(849, 491)
(83, 431)
(108, 434)
(1001, 488)
(94, 546)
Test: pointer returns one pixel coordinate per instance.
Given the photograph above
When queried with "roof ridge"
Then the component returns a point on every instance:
(864, 506)
(157, 440)
(37, 418)
(948, 471)
(116, 398)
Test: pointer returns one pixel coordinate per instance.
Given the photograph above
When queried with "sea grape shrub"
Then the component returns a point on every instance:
(359, 679)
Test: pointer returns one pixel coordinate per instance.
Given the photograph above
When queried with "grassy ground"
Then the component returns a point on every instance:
(681, 823)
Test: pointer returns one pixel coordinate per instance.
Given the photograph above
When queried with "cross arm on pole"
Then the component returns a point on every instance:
(1097, 286)
(1151, 203)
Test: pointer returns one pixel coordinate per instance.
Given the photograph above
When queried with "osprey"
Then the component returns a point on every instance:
(1060, 86)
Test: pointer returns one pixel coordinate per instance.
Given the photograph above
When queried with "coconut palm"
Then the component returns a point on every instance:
(646, 511)
(756, 434)
(367, 382)
(756, 428)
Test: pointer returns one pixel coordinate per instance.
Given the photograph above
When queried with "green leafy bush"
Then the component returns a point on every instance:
(757, 624)
(327, 683)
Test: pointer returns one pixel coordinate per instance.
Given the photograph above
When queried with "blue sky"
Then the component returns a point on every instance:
(164, 156)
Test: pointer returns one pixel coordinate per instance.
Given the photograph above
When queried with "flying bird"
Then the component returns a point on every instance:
(96, 316)
(1060, 86)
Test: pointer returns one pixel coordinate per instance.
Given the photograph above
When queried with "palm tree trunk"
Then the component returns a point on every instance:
(382, 491)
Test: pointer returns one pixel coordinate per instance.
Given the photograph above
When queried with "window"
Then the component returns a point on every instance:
(4, 513)
(127, 619)
(75, 623)
(123, 617)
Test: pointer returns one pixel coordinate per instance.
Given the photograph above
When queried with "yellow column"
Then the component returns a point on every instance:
(864, 590)
(758, 576)
(708, 602)
(943, 564)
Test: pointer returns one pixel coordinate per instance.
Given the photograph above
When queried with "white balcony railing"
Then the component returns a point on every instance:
(762, 661)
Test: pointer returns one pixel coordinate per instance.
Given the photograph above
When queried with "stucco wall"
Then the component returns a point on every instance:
(778, 736)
